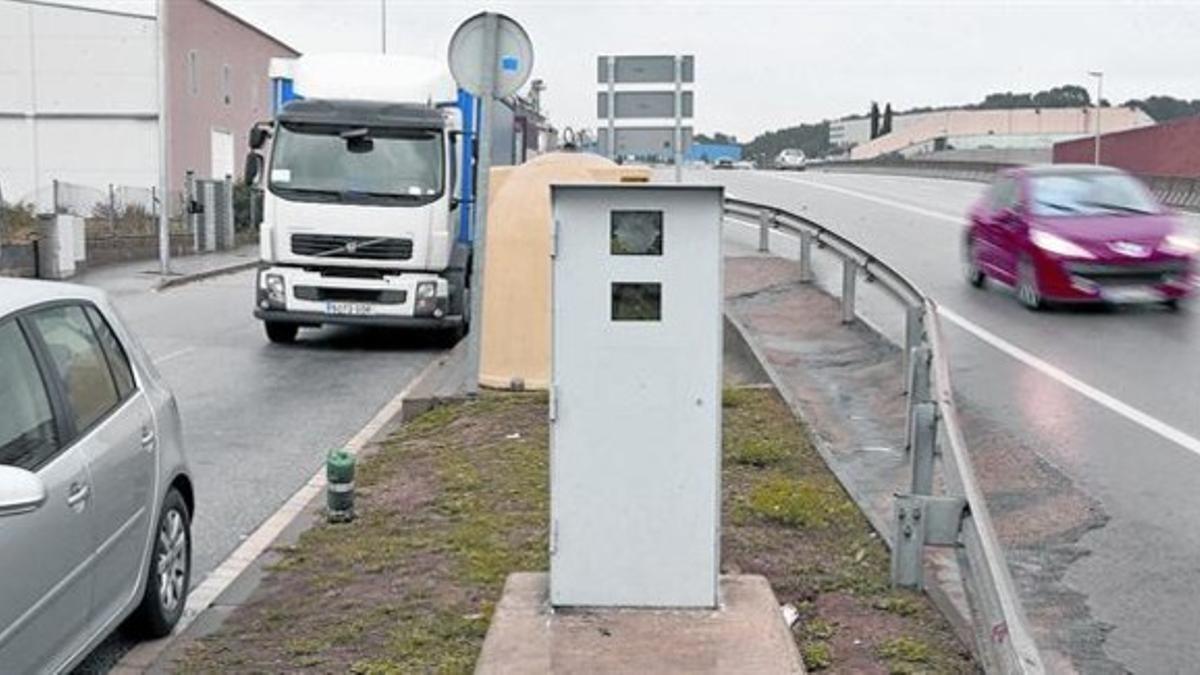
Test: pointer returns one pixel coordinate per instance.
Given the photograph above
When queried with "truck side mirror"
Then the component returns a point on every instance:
(258, 137)
(254, 165)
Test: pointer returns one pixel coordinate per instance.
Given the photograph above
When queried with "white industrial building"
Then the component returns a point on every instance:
(79, 94)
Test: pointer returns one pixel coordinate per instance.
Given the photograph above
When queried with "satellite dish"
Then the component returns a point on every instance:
(511, 58)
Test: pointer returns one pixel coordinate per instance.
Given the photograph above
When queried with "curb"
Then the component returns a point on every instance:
(206, 274)
(942, 597)
(416, 397)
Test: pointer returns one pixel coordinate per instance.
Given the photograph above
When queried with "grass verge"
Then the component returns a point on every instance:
(458, 499)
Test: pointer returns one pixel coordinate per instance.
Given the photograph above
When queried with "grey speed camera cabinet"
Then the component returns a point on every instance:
(635, 407)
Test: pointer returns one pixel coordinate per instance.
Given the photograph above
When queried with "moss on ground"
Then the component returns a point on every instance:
(459, 498)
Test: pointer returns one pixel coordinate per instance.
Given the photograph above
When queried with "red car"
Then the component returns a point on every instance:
(1078, 233)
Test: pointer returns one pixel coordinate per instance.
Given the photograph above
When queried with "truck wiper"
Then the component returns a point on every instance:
(379, 195)
(333, 195)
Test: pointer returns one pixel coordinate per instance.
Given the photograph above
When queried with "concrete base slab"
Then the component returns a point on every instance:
(746, 635)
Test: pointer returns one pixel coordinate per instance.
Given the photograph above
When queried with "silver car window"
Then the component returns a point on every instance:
(28, 435)
(118, 362)
(79, 361)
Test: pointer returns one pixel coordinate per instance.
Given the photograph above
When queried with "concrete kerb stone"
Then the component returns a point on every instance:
(206, 274)
(205, 599)
(946, 593)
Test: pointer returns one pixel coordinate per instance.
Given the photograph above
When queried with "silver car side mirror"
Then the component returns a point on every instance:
(21, 491)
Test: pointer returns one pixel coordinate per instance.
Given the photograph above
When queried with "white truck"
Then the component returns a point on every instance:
(361, 201)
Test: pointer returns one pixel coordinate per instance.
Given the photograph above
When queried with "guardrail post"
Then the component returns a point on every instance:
(908, 550)
(914, 334)
(925, 423)
(764, 231)
(919, 385)
(806, 270)
(849, 277)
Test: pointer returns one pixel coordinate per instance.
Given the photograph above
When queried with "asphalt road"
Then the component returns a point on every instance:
(258, 418)
(1105, 546)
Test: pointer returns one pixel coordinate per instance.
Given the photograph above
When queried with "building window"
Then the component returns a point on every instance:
(192, 80)
(226, 83)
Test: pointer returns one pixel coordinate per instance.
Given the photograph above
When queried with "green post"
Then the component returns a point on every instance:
(339, 489)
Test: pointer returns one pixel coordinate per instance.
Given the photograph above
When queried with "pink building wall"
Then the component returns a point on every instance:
(203, 43)
(1168, 149)
(1006, 122)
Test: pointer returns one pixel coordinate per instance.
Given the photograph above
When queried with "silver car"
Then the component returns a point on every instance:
(95, 497)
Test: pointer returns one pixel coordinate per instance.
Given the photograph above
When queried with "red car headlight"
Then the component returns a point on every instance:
(1052, 243)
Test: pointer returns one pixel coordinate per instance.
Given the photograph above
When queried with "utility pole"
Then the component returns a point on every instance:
(383, 25)
(678, 159)
(1099, 75)
(487, 107)
(164, 227)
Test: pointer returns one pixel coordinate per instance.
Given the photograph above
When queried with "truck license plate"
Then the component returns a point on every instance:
(348, 308)
(1135, 294)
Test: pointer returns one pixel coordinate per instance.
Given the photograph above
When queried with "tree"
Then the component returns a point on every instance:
(874, 120)
(1164, 108)
(812, 139)
(716, 138)
(886, 127)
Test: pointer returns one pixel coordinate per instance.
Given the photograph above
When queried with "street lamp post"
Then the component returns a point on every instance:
(1099, 75)
(383, 26)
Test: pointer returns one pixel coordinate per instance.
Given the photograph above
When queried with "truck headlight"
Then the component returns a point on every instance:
(276, 291)
(426, 304)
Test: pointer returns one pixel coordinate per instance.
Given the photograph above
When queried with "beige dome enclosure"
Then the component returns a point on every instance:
(515, 350)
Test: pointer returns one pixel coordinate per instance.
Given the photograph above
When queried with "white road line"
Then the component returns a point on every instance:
(957, 220)
(175, 354)
(1116, 405)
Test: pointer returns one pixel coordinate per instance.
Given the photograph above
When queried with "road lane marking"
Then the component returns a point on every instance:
(175, 354)
(1114, 404)
(957, 220)
(1129, 412)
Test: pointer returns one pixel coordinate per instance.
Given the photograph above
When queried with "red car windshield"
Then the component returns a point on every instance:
(1090, 194)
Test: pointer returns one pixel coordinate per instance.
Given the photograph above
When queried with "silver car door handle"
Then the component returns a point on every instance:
(148, 438)
(79, 492)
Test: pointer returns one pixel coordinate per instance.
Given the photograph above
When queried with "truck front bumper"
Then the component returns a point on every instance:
(382, 320)
(313, 297)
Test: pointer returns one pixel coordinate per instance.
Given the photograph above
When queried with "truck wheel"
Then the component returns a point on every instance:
(281, 333)
(451, 336)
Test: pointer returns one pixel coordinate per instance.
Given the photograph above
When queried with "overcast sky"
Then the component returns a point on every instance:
(765, 65)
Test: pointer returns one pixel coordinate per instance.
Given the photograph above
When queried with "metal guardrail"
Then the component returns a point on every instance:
(958, 518)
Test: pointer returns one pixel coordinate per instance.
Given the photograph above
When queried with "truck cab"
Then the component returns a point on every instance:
(360, 216)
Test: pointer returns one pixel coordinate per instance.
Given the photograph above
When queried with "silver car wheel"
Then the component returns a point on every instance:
(172, 561)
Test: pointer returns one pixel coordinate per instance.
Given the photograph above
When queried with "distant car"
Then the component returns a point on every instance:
(1078, 233)
(95, 498)
(744, 164)
(791, 160)
(723, 163)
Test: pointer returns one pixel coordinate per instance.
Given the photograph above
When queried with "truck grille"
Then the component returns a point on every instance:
(320, 294)
(361, 248)
(1138, 274)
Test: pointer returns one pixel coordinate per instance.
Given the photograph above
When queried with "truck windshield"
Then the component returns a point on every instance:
(337, 163)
